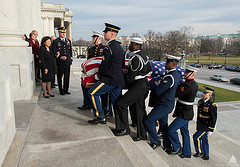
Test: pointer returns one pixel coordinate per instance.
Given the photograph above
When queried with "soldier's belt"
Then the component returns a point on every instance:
(186, 103)
(139, 77)
(202, 116)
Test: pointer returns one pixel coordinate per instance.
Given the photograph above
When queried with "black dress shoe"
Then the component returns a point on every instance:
(184, 156)
(155, 145)
(205, 157)
(133, 125)
(168, 150)
(122, 132)
(45, 96)
(51, 95)
(139, 138)
(97, 121)
(62, 93)
(66, 92)
(108, 113)
(178, 151)
(52, 86)
(84, 107)
(198, 155)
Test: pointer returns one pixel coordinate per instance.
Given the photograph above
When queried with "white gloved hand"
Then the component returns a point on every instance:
(209, 133)
(96, 77)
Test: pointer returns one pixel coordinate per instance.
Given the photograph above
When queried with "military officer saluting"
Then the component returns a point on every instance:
(62, 49)
(97, 49)
(110, 74)
(206, 121)
(186, 93)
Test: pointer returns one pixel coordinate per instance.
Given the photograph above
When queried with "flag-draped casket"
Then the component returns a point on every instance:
(90, 69)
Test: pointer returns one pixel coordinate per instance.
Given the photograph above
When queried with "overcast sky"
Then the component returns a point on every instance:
(139, 16)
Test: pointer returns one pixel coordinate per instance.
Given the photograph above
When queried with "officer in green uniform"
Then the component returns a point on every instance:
(206, 120)
(62, 49)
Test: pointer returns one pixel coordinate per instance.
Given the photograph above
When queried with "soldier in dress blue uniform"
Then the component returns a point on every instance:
(110, 74)
(95, 51)
(62, 49)
(206, 120)
(138, 87)
(186, 93)
(165, 102)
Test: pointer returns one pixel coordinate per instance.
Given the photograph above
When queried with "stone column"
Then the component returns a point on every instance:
(69, 31)
(51, 26)
(61, 22)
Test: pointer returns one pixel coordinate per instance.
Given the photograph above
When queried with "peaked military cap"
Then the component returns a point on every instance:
(171, 58)
(190, 69)
(208, 90)
(110, 27)
(97, 34)
(137, 40)
(62, 29)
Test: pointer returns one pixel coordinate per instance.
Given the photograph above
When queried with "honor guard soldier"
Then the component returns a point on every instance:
(110, 74)
(206, 120)
(62, 49)
(138, 87)
(95, 51)
(165, 103)
(185, 93)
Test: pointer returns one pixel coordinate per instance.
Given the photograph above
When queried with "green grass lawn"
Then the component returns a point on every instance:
(222, 95)
(233, 60)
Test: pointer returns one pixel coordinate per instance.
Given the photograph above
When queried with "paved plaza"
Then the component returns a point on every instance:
(54, 133)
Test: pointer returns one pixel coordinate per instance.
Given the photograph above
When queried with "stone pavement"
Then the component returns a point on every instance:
(54, 133)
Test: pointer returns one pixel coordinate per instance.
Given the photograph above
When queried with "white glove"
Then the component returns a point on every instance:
(209, 133)
(96, 77)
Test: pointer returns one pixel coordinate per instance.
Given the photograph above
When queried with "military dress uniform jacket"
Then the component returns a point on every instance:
(207, 115)
(138, 68)
(96, 51)
(186, 93)
(166, 90)
(110, 69)
(65, 49)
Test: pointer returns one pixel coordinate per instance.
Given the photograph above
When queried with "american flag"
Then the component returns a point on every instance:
(158, 70)
(90, 69)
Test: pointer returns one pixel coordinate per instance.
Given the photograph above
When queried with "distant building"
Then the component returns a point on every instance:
(53, 16)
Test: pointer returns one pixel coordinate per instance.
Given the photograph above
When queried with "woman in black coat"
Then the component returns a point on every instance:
(46, 58)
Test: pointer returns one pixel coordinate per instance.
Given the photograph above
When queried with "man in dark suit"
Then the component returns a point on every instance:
(62, 49)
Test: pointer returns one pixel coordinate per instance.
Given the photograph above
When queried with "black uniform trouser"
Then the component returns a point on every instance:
(54, 71)
(133, 113)
(63, 70)
(136, 94)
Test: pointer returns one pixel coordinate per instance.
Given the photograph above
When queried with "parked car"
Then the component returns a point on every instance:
(196, 65)
(231, 67)
(214, 66)
(220, 78)
(237, 69)
(235, 81)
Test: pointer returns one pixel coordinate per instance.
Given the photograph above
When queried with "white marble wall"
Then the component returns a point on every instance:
(16, 62)
(7, 119)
